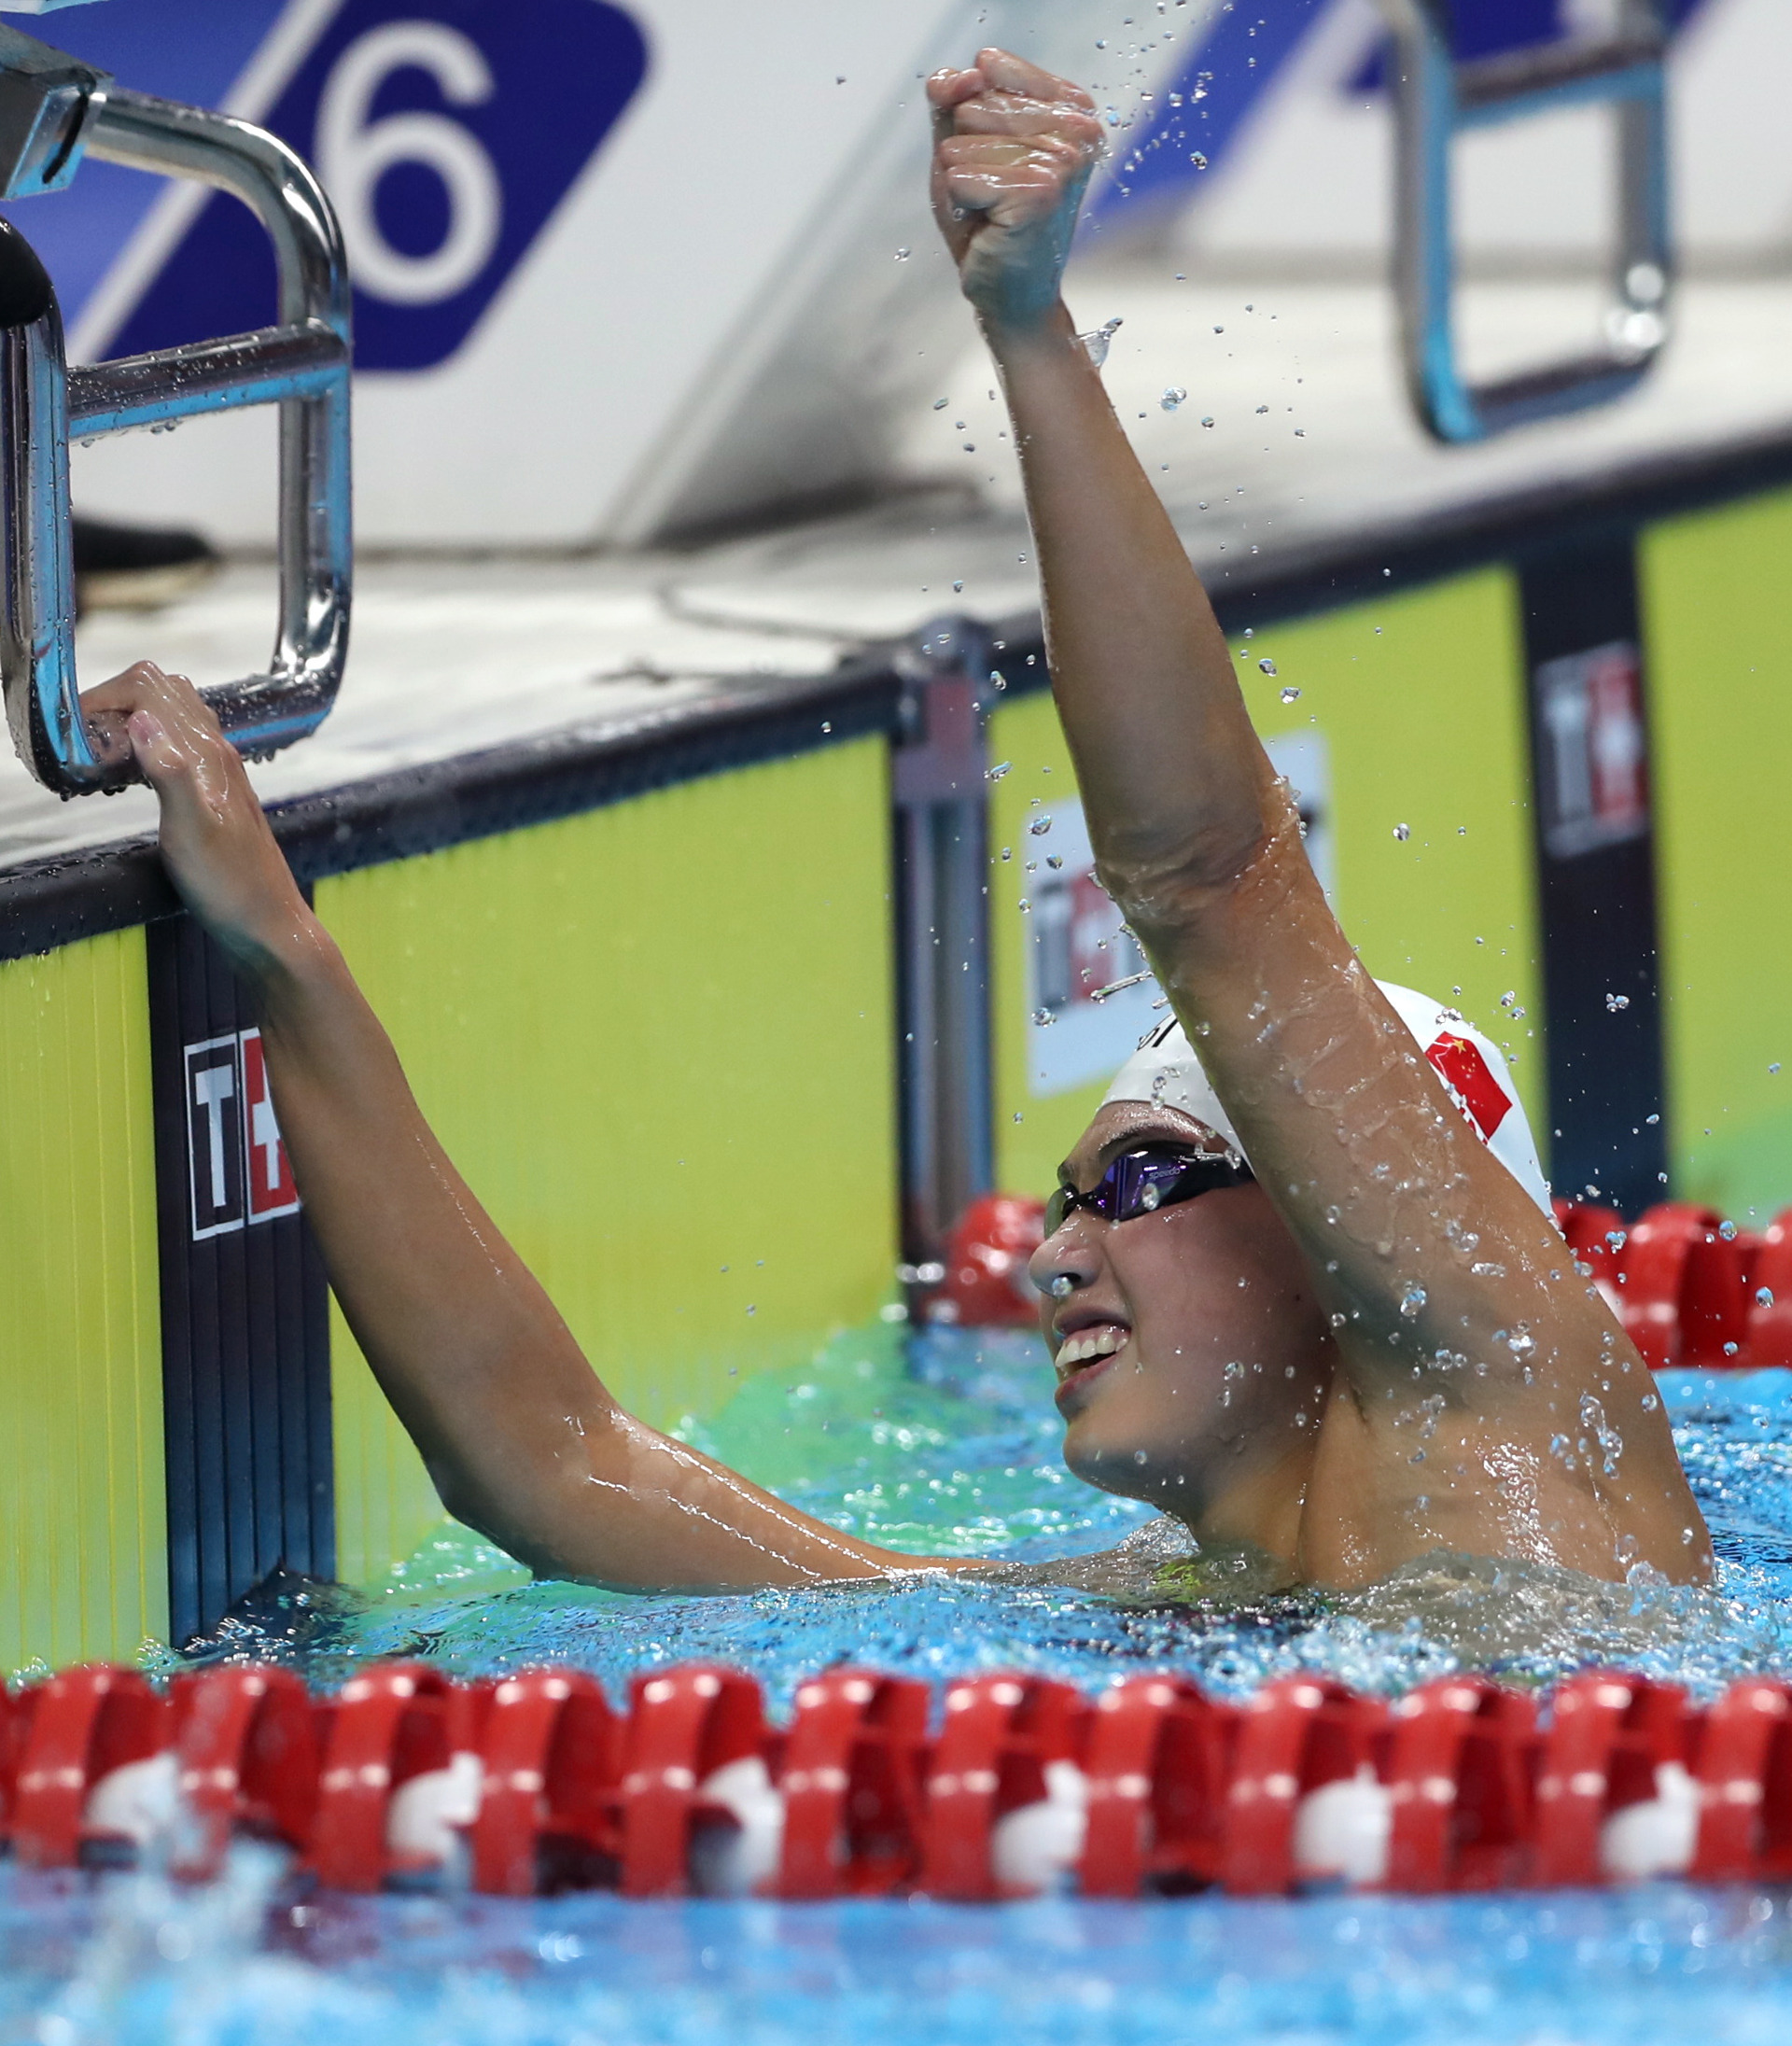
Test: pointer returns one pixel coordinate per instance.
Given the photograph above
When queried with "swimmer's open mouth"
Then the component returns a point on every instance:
(1084, 1353)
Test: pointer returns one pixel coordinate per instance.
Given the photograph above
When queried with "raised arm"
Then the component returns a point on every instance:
(1444, 1283)
(522, 1439)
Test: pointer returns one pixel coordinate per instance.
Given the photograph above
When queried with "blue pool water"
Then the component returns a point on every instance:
(954, 1448)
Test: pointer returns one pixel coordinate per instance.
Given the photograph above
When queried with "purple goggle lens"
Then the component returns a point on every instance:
(1157, 1176)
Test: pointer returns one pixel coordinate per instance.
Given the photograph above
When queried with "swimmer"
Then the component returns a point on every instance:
(1294, 1301)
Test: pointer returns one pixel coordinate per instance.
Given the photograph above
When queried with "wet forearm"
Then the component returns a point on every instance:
(1169, 765)
(465, 1343)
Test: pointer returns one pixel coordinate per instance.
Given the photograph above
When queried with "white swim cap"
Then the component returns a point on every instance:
(1166, 1069)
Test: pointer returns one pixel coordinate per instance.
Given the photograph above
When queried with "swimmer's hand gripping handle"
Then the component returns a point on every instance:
(301, 365)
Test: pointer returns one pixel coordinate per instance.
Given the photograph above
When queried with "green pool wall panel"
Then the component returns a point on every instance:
(83, 1555)
(1419, 699)
(656, 1038)
(1719, 633)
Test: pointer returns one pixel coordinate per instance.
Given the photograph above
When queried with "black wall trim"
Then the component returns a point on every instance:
(1612, 505)
(244, 1304)
(1595, 864)
(51, 903)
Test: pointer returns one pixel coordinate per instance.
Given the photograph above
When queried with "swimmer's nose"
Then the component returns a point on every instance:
(1065, 1262)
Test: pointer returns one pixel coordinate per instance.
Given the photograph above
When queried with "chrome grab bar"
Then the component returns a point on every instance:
(53, 111)
(1435, 98)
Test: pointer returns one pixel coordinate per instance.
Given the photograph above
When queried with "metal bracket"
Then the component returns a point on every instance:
(943, 935)
(53, 111)
(1436, 99)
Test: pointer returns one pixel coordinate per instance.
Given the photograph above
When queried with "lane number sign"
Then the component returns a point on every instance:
(445, 133)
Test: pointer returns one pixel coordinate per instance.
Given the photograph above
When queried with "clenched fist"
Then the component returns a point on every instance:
(1012, 151)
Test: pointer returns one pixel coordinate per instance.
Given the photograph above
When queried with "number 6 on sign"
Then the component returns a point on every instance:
(355, 152)
(446, 132)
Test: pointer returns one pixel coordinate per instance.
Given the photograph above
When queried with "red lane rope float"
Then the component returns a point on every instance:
(1005, 1795)
(84, 1729)
(1691, 1289)
(535, 1782)
(1158, 1762)
(853, 1784)
(550, 1769)
(698, 1751)
(247, 1752)
(1461, 1795)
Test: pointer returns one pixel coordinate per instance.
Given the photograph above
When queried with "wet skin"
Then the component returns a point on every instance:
(1418, 1366)
(1212, 1361)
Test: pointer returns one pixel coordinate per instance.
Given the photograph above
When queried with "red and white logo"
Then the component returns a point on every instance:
(1595, 783)
(238, 1171)
(1468, 1076)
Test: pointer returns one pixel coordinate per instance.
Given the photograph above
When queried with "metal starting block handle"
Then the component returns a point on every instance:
(1435, 98)
(54, 109)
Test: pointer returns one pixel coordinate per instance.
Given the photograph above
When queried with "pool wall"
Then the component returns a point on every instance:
(645, 984)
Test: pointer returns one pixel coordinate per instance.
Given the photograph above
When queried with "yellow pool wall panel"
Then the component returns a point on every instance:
(1719, 635)
(82, 1515)
(656, 1038)
(1419, 699)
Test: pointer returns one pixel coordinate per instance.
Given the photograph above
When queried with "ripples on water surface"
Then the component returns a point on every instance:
(959, 1455)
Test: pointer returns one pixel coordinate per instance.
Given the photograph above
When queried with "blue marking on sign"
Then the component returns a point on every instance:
(446, 133)
(1224, 81)
(1490, 28)
(1219, 89)
(180, 50)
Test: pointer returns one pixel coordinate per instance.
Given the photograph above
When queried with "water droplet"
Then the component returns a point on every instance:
(1728, 1232)
(999, 770)
(1116, 987)
(902, 255)
(1095, 344)
(1291, 695)
(1763, 1296)
(1614, 1002)
(940, 404)
(1054, 861)
(1412, 1301)
(1173, 398)
(1199, 161)
(1267, 665)
(1061, 1287)
(1044, 1019)
(1402, 831)
(1207, 420)
(1040, 826)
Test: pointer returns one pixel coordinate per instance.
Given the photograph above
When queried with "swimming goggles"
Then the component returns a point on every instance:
(1157, 1176)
